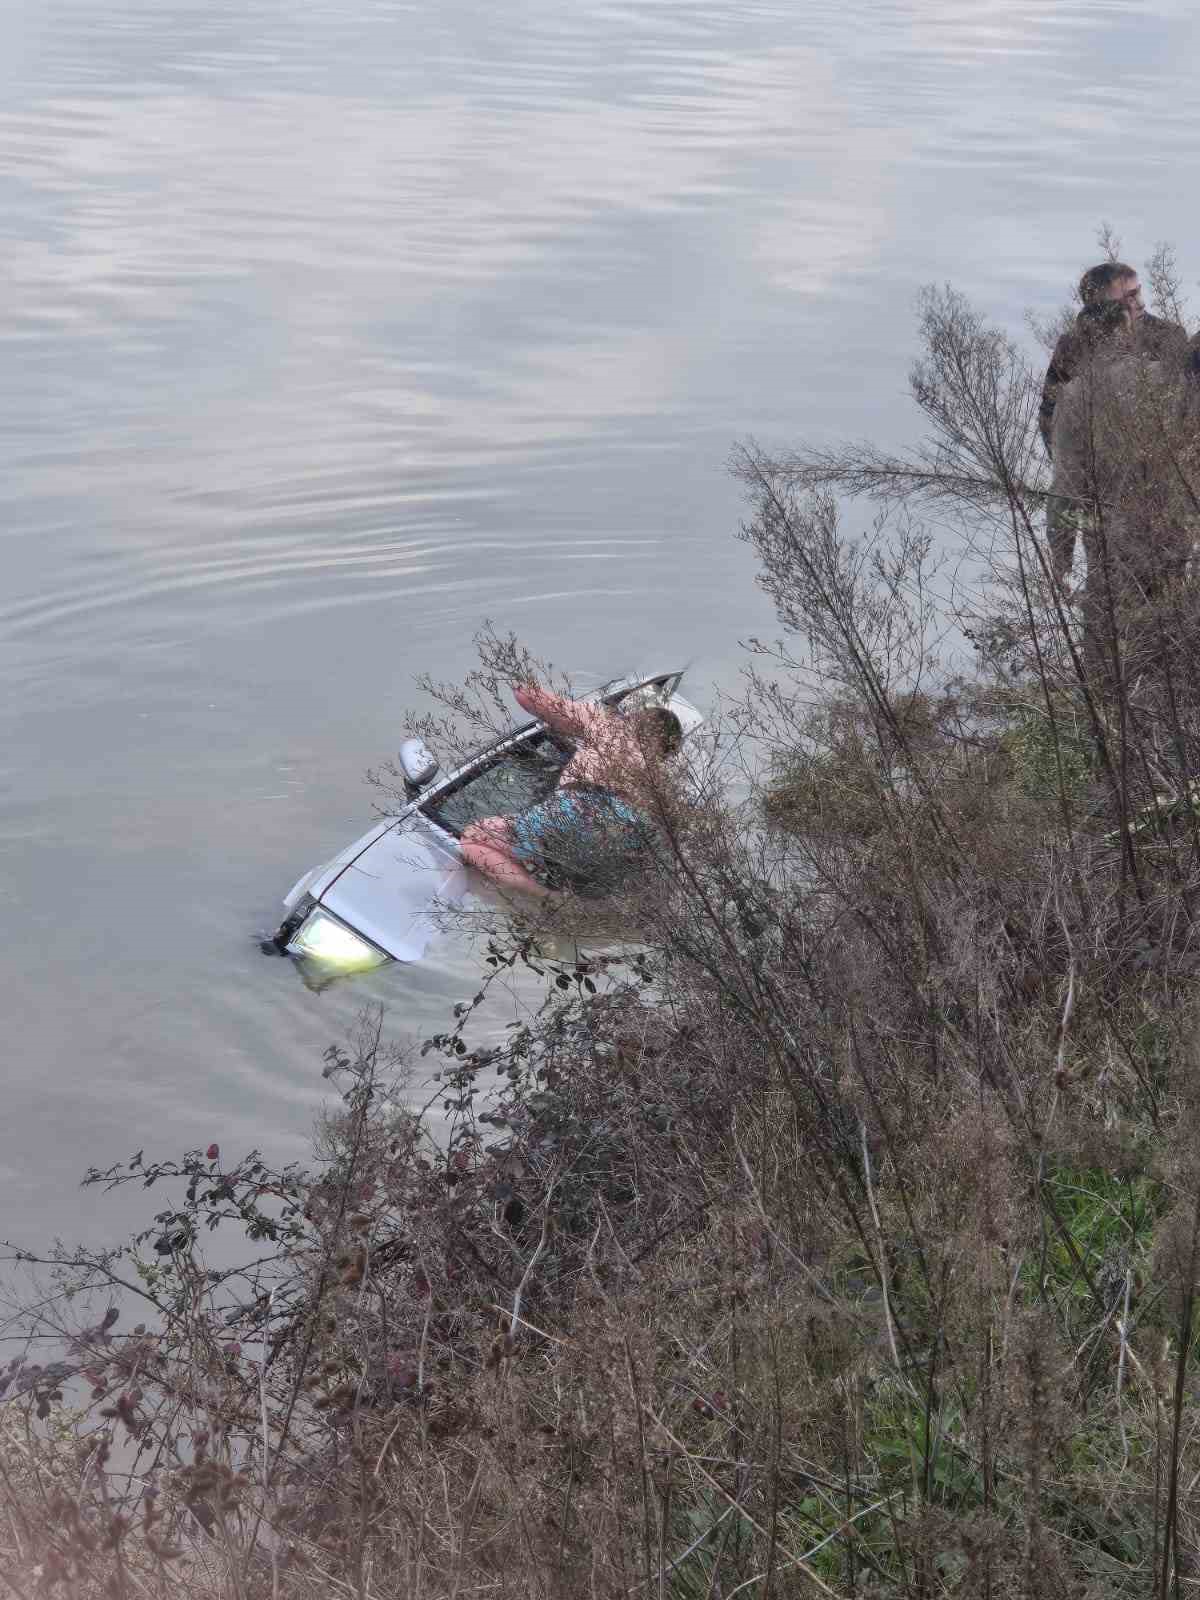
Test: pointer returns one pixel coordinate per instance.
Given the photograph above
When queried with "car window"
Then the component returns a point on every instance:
(655, 693)
(519, 778)
(650, 694)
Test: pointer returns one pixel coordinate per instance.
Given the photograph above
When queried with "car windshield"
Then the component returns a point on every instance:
(519, 778)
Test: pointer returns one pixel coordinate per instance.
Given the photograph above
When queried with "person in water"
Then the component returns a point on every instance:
(594, 823)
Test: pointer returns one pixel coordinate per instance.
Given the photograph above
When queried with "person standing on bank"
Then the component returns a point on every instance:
(1154, 337)
(1088, 449)
(1124, 452)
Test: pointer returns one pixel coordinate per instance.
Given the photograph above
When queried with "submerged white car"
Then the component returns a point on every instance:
(375, 901)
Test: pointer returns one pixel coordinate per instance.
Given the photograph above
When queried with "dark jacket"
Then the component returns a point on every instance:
(1124, 457)
(1156, 338)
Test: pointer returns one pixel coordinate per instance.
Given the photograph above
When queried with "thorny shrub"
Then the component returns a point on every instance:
(840, 1238)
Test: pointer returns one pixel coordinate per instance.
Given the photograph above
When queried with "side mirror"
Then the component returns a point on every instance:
(416, 763)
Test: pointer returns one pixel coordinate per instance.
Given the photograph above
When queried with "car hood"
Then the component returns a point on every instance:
(388, 884)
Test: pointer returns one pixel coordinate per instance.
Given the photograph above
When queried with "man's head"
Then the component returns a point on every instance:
(659, 731)
(1112, 280)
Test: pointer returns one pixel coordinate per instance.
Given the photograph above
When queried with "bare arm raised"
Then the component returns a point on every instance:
(570, 717)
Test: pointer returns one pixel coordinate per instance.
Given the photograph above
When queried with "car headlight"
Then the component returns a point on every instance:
(323, 938)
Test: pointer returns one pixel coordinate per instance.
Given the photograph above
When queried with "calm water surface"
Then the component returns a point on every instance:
(328, 331)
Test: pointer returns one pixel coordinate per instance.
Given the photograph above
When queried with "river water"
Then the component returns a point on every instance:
(329, 330)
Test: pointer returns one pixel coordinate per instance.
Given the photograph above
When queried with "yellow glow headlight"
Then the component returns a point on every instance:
(323, 938)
